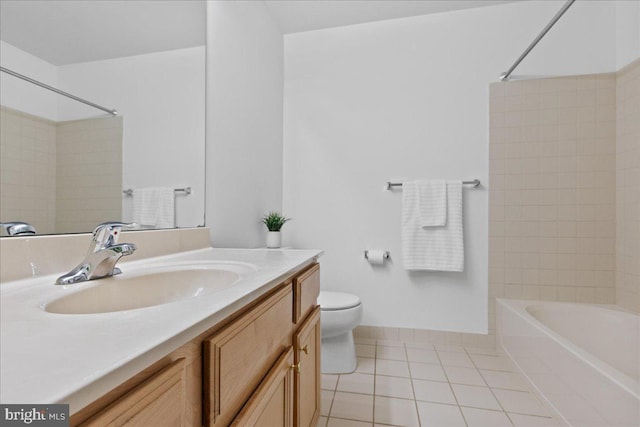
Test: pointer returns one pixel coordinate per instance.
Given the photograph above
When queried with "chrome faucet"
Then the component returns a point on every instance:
(18, 228)
(102, 256)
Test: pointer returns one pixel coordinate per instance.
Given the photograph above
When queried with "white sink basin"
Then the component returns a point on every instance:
(149, 286)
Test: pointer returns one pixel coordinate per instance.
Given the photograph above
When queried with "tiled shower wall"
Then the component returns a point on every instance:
(552, 190)
(28, 169)
(628, 187)
(89, 173)
(61, 177)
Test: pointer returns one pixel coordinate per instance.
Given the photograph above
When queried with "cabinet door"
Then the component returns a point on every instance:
(239, 356)
(272, 403)
(158, 402)
(307, 374)
(306, 288)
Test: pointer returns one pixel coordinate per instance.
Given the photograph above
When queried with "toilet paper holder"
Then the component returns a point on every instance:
(387, 255)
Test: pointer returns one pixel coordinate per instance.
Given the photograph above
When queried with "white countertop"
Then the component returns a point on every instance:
(76, 358)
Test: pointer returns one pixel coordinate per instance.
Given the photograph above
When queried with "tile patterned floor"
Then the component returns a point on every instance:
(418, 384)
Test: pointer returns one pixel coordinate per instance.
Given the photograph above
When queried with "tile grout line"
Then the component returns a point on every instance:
(375, 373)
(490, 389)
(413, 390)
(451, 387)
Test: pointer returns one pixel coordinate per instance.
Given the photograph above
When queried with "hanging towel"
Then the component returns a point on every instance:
(432, 248)
(154, 207)
(432, 201)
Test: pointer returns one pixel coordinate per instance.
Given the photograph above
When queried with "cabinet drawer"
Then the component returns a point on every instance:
(272, 403)
(306, 288)
(239, 356)
(158, 401)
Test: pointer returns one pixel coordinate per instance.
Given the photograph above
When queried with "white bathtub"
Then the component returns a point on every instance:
(583, 359)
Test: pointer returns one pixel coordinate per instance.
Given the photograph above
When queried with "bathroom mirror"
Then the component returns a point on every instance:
(66, 166)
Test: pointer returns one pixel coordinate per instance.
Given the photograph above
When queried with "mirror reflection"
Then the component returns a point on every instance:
(65, 165)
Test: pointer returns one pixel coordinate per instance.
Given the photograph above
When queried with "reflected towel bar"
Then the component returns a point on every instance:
(186, 190)
(474, 183)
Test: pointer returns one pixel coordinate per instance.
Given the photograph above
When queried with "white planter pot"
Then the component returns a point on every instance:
(273, 239)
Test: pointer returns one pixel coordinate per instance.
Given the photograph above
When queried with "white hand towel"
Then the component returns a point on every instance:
(432, 248)
(154, 207)
(432, 201)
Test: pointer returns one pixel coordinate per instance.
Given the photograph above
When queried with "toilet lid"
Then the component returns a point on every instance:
(337, 300)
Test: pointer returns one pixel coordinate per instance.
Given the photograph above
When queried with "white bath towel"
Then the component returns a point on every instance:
(154, 207)
(432, 248)
(432, 201)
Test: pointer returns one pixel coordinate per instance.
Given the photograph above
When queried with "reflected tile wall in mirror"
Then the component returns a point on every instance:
(61, 177)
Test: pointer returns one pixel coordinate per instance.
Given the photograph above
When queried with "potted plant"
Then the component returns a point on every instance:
(274, 222)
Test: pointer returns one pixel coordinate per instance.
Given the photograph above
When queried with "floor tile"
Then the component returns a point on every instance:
(433, 391)
(365, 350)
(366, 365)
(399, 412)
(494, 363)
(329, 382)
(520, 420)
(484, 418)
(521, 402)
(507, 380)
(369, 341)
(485, 351)
(476, 397)
(391, 353)
(450, 348)
(390, 343)
(418, 383)
(326, 398)
(352, 406)
(394, 368)
(449, 358)
(460, 375)
(356, 383)
(418, 344)
(341, 422)
(422, 355)
(427, 371)
(438, 415)
(393, 387)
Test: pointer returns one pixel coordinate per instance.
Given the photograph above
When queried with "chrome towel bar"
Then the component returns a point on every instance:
(186, 190)
(474, 183)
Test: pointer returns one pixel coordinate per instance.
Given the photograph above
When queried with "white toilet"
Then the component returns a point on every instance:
(340, 314)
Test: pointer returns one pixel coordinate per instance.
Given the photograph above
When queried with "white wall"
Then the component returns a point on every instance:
(20, 95)
(409, 98)
(161, 97)
(627, 32)
(244, 121)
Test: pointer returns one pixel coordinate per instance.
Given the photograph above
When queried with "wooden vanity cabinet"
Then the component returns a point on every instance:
(238, 357)
(259, 367)
(159, 401)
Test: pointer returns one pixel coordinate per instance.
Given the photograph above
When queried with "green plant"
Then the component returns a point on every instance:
(274, 221)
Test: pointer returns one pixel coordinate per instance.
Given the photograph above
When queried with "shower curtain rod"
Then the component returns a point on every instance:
(505, 76)
(58, 91)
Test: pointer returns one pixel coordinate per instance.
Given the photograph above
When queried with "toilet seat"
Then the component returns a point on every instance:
(330, 301)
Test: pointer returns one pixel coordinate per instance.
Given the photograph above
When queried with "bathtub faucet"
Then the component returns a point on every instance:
(102, 256)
